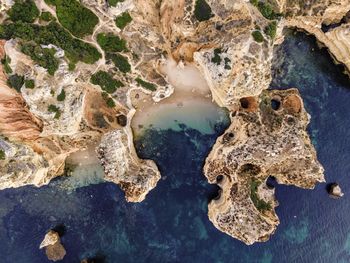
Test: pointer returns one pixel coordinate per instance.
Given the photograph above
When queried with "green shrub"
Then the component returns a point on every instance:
(2, 155)
(6, 63)
(202, 10)
(54, 109)
(61, 96)
(227, 62)
(29, 83)
(79, 20)
(15, 81)
(111, 43)
(258, 37)
(75, 49)
(217, 59)
(271, 29)
(114, 2)
(45, 57)
(105, 81)
(261, 205)
(47, 16)
(23, 10)
(254, 2)
(122, 20)
(146, 85)
(109, 101)
(120, 62)
(71, 66)
(267, 11)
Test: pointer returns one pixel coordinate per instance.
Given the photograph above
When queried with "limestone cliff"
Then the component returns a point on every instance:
(311, 17)
(134, 176)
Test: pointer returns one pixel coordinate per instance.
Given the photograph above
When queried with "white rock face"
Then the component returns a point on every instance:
(22, 166)
(51, 238)
(335, 191)
(162, 93)
(135, 177)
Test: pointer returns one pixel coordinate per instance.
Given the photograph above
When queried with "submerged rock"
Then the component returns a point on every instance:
(335, 191)
(53, 248)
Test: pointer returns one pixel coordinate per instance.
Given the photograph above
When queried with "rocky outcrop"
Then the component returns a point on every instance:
(335, 191)
(53, 248)
(267, 137)
(337, 40)
(311, 17)
(135, 177)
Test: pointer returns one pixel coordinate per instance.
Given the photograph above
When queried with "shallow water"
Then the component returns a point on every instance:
(171, 225)
(200, 114)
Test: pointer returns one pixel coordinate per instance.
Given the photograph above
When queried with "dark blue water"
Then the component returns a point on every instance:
(171, 225)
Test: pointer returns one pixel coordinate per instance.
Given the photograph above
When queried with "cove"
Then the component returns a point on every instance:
(171, 225)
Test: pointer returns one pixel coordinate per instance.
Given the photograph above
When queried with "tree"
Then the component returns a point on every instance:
(24, 11)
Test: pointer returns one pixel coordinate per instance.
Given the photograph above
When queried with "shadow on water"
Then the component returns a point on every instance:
(172, 225)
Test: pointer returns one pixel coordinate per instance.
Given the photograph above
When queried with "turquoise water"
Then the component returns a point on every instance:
(171, 225)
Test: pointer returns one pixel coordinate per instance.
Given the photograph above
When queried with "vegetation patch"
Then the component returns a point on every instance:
(227, 62)
(120, 62)
(23, 10)
(29, 83)
(54, 109)
(71, 66)
(202, 11)
(271, 29)
(106, 81)
(61, 96)
(122, 20)
(111, 43)
(2, 155)
(258, 37)
(146, 85)
(15, 81)
(79, 20)
(47, 16)
(114, 2)
(6, 64)
(109, 101)
(217, 59)
(265, 9)
(75, 49)
(261, 205)
(45, 57)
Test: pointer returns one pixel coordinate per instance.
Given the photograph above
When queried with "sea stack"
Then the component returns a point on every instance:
(335, 191)
(53, 248)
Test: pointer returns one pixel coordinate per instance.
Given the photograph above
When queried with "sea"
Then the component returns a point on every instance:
(172, 225)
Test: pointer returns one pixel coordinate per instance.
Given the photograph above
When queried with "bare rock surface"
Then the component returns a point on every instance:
(53, 248)
(135, 177)
(335, 190)
(267, 137)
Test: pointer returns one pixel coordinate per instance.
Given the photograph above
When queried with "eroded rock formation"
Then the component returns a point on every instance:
(135, 177)
(53, 248)
(267, 137)
(311, 17)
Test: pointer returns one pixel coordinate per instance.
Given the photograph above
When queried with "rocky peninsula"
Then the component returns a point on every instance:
(66, 86)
